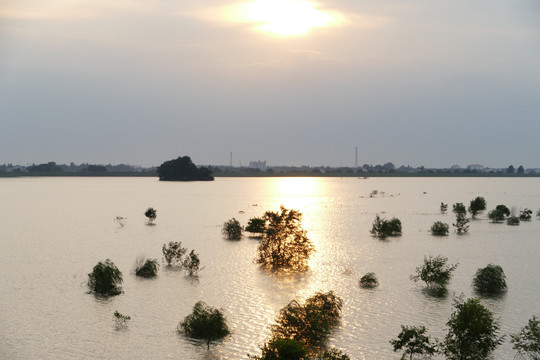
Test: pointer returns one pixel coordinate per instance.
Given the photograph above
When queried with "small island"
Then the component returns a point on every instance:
(183, 169)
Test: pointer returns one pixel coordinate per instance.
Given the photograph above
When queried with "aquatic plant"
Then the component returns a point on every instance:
(105, 279)
(205, 322)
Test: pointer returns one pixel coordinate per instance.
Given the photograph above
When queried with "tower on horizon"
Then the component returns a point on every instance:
(356, 157)
(230, 164)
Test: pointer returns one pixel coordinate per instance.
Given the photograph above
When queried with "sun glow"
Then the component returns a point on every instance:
(283, 17)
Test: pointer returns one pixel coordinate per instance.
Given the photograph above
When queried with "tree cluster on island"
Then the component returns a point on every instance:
(183, 169)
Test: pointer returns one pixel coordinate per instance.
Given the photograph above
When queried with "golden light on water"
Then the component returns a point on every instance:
(283, 17)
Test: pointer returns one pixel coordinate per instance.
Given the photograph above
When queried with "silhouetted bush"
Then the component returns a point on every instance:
(173, 253)
(499, 213)
(151, 215)
(232, 229)
(383, 228)
(105, 279)
(439, 229)
(205, 322)
(512, 220)
(414, 341)
(435, 272)
(256, 226)
(527, 341)
(477, 205)
(490, 280)
(146, 268)
(369, 280)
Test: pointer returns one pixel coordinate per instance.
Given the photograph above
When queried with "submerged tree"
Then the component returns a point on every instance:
(490, 280)
(499, 213)
(413, 341)
(192, 264)
(146, 268)
(436, 273)
(443, 208)
(256, 226)
(173, 253)
(285, 244)
(151, 215)
(311, 322)
(477, 205)
(525, 215)
(472, 332)
(283, 349)
(462, 221)
(205, 322)
(439, 229)
(527, 341)
(105, 279)
(232, 229)
(383, 228)
(121, 319)
(369, 280)
(512, 220)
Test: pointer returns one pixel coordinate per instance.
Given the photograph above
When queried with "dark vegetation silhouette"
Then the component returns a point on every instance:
(439, 229)
(105, 279)
(473, 333)
(412, 340)
(257, 226)
(284, 244)
(436, 273)
(173, 253)
(383, 228)
(477, 205)
(527, 341)
(206, 323)
(369, 280)
(151, 215)
(183, 169)
(499, 214)
(146, 268)
(232, 229)
(490, 280)
(462, 222)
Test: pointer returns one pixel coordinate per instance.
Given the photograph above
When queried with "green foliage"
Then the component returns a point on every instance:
(439, 229)
(525, 215)
(499, 213)
(120, 319)
(461, 224)
(527, 341)
(105, 279)
(173, 252)
(490, 280)
(444, 208)
(256, 226)
(413, 341)
(310, 323)
(472, 332)
(151, 214)
(205, 322)
(459, 209)
(477, 205)
(512, 220)
(183, 169)
(285, 244)
(232, 229)
(435, 272)
(383, 228)
(191, 263)
(333, 354)
(146, 267)
(369, 280)
(282, 349)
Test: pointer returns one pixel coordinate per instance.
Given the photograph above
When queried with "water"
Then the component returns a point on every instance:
(54, 230)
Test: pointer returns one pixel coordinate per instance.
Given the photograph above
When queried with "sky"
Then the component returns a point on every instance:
(292, 82)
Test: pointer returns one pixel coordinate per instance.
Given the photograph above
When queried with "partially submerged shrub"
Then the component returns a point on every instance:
(191, 263)
(173, 252)
(333, 354)
(281, 349)
(205, 322)
(383, 228)
(525, 215)
(284, 244)
(413, 341)
(439, 229)
(527, 341)
(105, 279)
(512, 220)
(443, 208)
(369, 280)
(459, 208)
(256, 226)
(310, 323)
(120, 319)
(146, 268)
(499, 213)
(232, 229)
(477, 205)
(490, 280)
(151, 215)
(472, 332)
(435, 272)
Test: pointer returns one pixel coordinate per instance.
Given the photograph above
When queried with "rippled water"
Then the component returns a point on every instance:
(54, 230)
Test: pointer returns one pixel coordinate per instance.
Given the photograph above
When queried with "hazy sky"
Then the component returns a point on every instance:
(414, 82)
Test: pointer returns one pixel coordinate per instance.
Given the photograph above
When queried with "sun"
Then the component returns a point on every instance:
(283, 17)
